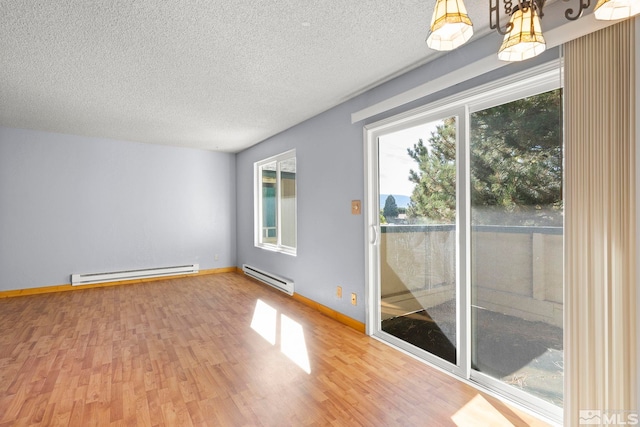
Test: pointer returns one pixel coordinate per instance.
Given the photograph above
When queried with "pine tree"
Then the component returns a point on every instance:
(390, 207)
(434, 196)
(516, 166)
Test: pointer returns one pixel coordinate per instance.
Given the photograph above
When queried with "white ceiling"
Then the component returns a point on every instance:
(213, 74)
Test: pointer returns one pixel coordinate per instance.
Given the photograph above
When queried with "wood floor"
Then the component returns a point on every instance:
(183, 352)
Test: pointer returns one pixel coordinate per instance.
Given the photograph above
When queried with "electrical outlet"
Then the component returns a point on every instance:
(354, 299)
(215, 257)
(339, 292)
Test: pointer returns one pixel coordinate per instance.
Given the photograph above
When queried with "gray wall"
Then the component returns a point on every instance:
(330, 173)
(71, 204)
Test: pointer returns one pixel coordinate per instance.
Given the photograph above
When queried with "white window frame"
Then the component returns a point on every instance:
(258, 204)
(530, 82)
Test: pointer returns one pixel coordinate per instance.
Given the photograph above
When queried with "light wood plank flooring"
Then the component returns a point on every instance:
(183, 352)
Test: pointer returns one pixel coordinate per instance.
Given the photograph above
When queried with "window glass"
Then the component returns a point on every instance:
(418, 210)
(276, 203)
(517, 238)
(269, 203)
(288, 202)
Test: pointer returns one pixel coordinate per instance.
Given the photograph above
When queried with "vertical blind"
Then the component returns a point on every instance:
(600, 239)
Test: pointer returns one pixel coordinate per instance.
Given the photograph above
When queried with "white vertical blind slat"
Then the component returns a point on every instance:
(600, 236)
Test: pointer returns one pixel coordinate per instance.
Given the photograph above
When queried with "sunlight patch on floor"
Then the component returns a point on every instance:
(292, 341)
(478, 410)
(293, 344)
(264, 321)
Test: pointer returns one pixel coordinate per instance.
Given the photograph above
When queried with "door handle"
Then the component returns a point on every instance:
(376, 235)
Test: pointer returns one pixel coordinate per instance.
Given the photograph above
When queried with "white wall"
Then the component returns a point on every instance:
(71, 204)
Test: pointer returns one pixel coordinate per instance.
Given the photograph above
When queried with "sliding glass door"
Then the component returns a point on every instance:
(516, 244)
(465, 215)
(418, 211)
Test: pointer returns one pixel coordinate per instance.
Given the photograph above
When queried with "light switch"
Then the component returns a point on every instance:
(355, 207)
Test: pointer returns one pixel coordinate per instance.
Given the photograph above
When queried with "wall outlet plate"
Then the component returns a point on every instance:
(356, 207)
(354, 299)
(339, 291)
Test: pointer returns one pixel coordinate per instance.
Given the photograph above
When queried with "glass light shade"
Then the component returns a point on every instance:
(525, 40)
(450, 25)
(610, 10)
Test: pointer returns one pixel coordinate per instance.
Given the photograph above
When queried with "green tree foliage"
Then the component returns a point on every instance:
(434, 196)
(390, 207)
(516, 166)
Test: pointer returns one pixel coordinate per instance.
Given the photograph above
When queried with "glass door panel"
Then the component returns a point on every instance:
(418, 211)
(516, 244)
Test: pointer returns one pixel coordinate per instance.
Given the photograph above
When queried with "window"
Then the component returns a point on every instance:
(275, 201)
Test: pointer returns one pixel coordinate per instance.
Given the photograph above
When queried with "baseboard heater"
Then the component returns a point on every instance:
(116, 276)
(285, 285)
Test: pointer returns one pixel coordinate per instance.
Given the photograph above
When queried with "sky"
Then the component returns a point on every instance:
(395, 163)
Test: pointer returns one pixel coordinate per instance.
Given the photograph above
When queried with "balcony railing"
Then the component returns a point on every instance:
(514, 270)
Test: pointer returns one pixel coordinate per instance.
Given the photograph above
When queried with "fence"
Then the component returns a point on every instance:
(514, 270)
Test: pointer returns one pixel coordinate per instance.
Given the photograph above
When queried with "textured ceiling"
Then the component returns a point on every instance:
(214, 74)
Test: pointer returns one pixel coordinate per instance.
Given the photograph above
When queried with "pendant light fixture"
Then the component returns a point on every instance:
(450, 25)
(525, 39)
(610, 10)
